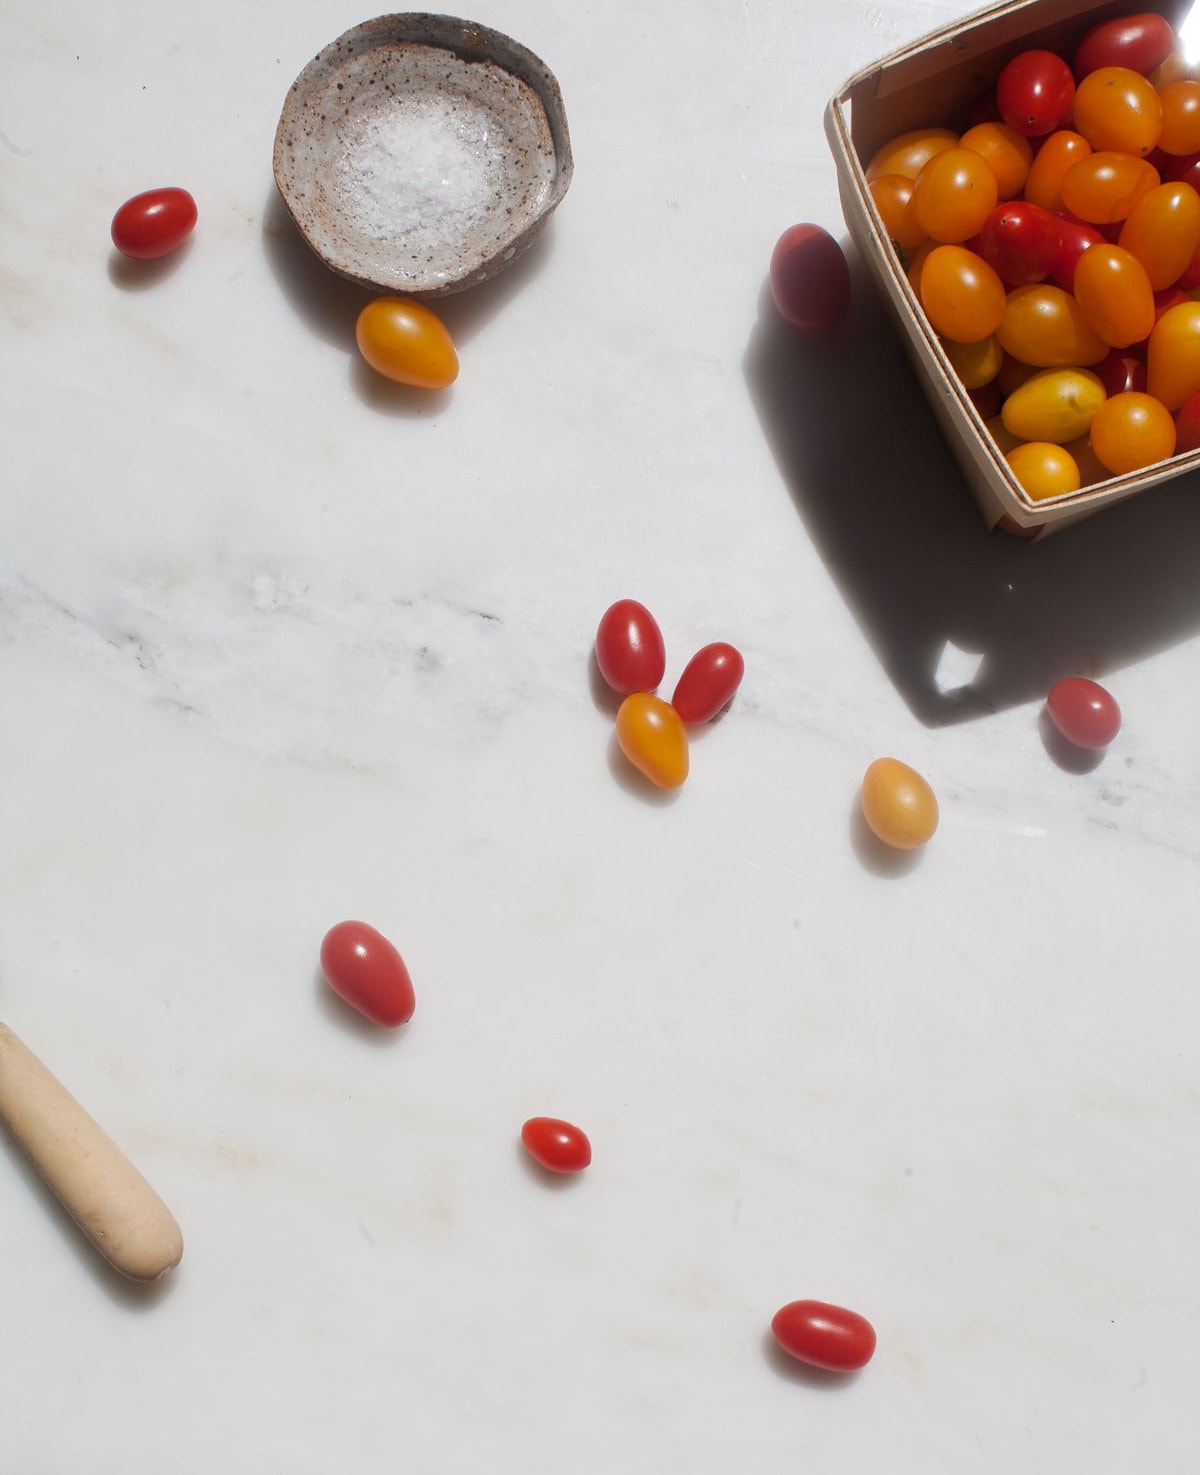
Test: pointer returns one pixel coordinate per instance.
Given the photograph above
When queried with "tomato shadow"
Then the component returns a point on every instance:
(871, 852)
(634, 782)
(892, 518)
(1063, 752)
(131, 275)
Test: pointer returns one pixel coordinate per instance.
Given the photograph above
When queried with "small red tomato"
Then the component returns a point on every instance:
(1034, 92)
(629, 648)
(1074, 237)
(363, 968)
(1139, 42)
(1083, 712)
(1122, 373)
(824, 1336)
(1020, 242)
(1189, 278)
(557, 1146)
(154, 224)
(1187, 426)
(708, 682)
(810, 279)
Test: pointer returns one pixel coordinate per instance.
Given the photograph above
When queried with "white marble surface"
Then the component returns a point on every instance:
(280, 645)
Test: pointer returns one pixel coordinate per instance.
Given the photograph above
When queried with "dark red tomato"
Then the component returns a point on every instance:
(1139, 42)
(1164, 301)
(1189, 279)
(1187, 426)
(708, 682)
(1181, 169)
(824, 1336)
(810, 279)
(557, 1146)
(1083, 712)
(629, 648)
(154, 224)
(1020, 242)
(1034, 92)
(363, 968)
(1074, 237)
(1121, 373)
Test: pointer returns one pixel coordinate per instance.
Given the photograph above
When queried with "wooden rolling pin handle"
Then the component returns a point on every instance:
(95, 1182)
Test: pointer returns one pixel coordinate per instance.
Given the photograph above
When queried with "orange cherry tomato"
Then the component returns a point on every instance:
(652, 736)
(898, 804)
(1008, 153)
(1132, 431)
(1173, 357)
(1044, 470)
(1104, 187)
(1116, 108)
(908, 153)
(402, 340)
(1163, 232)
(893, 194)
(1043, 185)
(962, 296)
(976, 364)
(955, 193)
(1045, 326)
(1114, 294)
(1180, 118)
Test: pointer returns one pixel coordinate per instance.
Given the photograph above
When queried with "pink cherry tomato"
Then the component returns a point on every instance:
(362, 967)
(708, 682)
(629, 648)
(810, 279)
(1083, 712)
(154, 224)
(558, 1146)
(824, 1336)
(1034, 92)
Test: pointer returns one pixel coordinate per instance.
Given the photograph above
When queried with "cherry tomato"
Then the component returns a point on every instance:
(810, 279)
(1163, 232)
(154, 223)
(893, 194)
(1044, 470)
(908, 153)
(1104, 187)
(1084, 712)
(1132, 431)
(1008, 154)
(362, 967)
(557, 1146)
(1055, 405)
(652, 736)
(1074, 237)
(976, 364)
(898, 804)
(1117, 109)
(955, 193)
(962, 296)
(1173, 357)
(1114, 294)
(1021, 242)
(1054, 157)
(1180, 118)
(1187, 426)
(1176, 68)
(1120, 372)
(1140, 42)
(824, 1336)
(708, 682)
(402, 340)
(1044, 326)
(630, 650)
(1189, 278)
(1034, 92)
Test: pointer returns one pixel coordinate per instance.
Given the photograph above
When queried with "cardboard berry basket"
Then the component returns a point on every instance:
(934, 82)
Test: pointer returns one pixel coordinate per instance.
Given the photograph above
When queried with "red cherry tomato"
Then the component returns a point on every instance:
(1074, 237)
(1187, 426)
(1122, 373)
(557, 1146)
(1034, 92)
(154, 224)
(810, 279)
(363, 968)
(824, 1336)
(1139, 42)
(708, 682)
(629, 648)
(1020, 242)
(1084, 712)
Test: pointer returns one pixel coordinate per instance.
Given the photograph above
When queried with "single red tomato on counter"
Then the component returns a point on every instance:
(154, 223)
(630, 650)
(708, 682)
(555, 1145)
(362, 967)
(824, 1336)
(1084, 712)
(810, 279)
(1034, 92)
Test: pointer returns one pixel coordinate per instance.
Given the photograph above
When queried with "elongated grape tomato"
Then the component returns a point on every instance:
(1140, 42)
(1084, 712)
(1034, 92)
(362, 967)
(154, 223)
(824, 1336)
(630, 650)
(898, 804)
(404, 341)
(810, 279)
(708, 682)
(558, 1146)
(652, 736)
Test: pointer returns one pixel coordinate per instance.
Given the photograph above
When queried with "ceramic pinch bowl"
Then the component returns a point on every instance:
(422, 154)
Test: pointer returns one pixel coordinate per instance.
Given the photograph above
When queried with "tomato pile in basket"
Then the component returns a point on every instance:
(1055, 249)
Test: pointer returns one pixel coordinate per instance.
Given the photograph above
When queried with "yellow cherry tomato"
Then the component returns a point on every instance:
(1044, 326)
(1043, 186)
(1163, 232)
(1105, 186)
(1008, 154)
(908, 153)
(402, 340)
(893, 194)
(1116, 108)
(1181, 118)
(1114, 294)
(1055, 405)
(1173, 357)
(976, 364)
(1131, 431)
(962, 295)
(1044, 470)
(652, 736)
(898, 804)
(955, 193)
